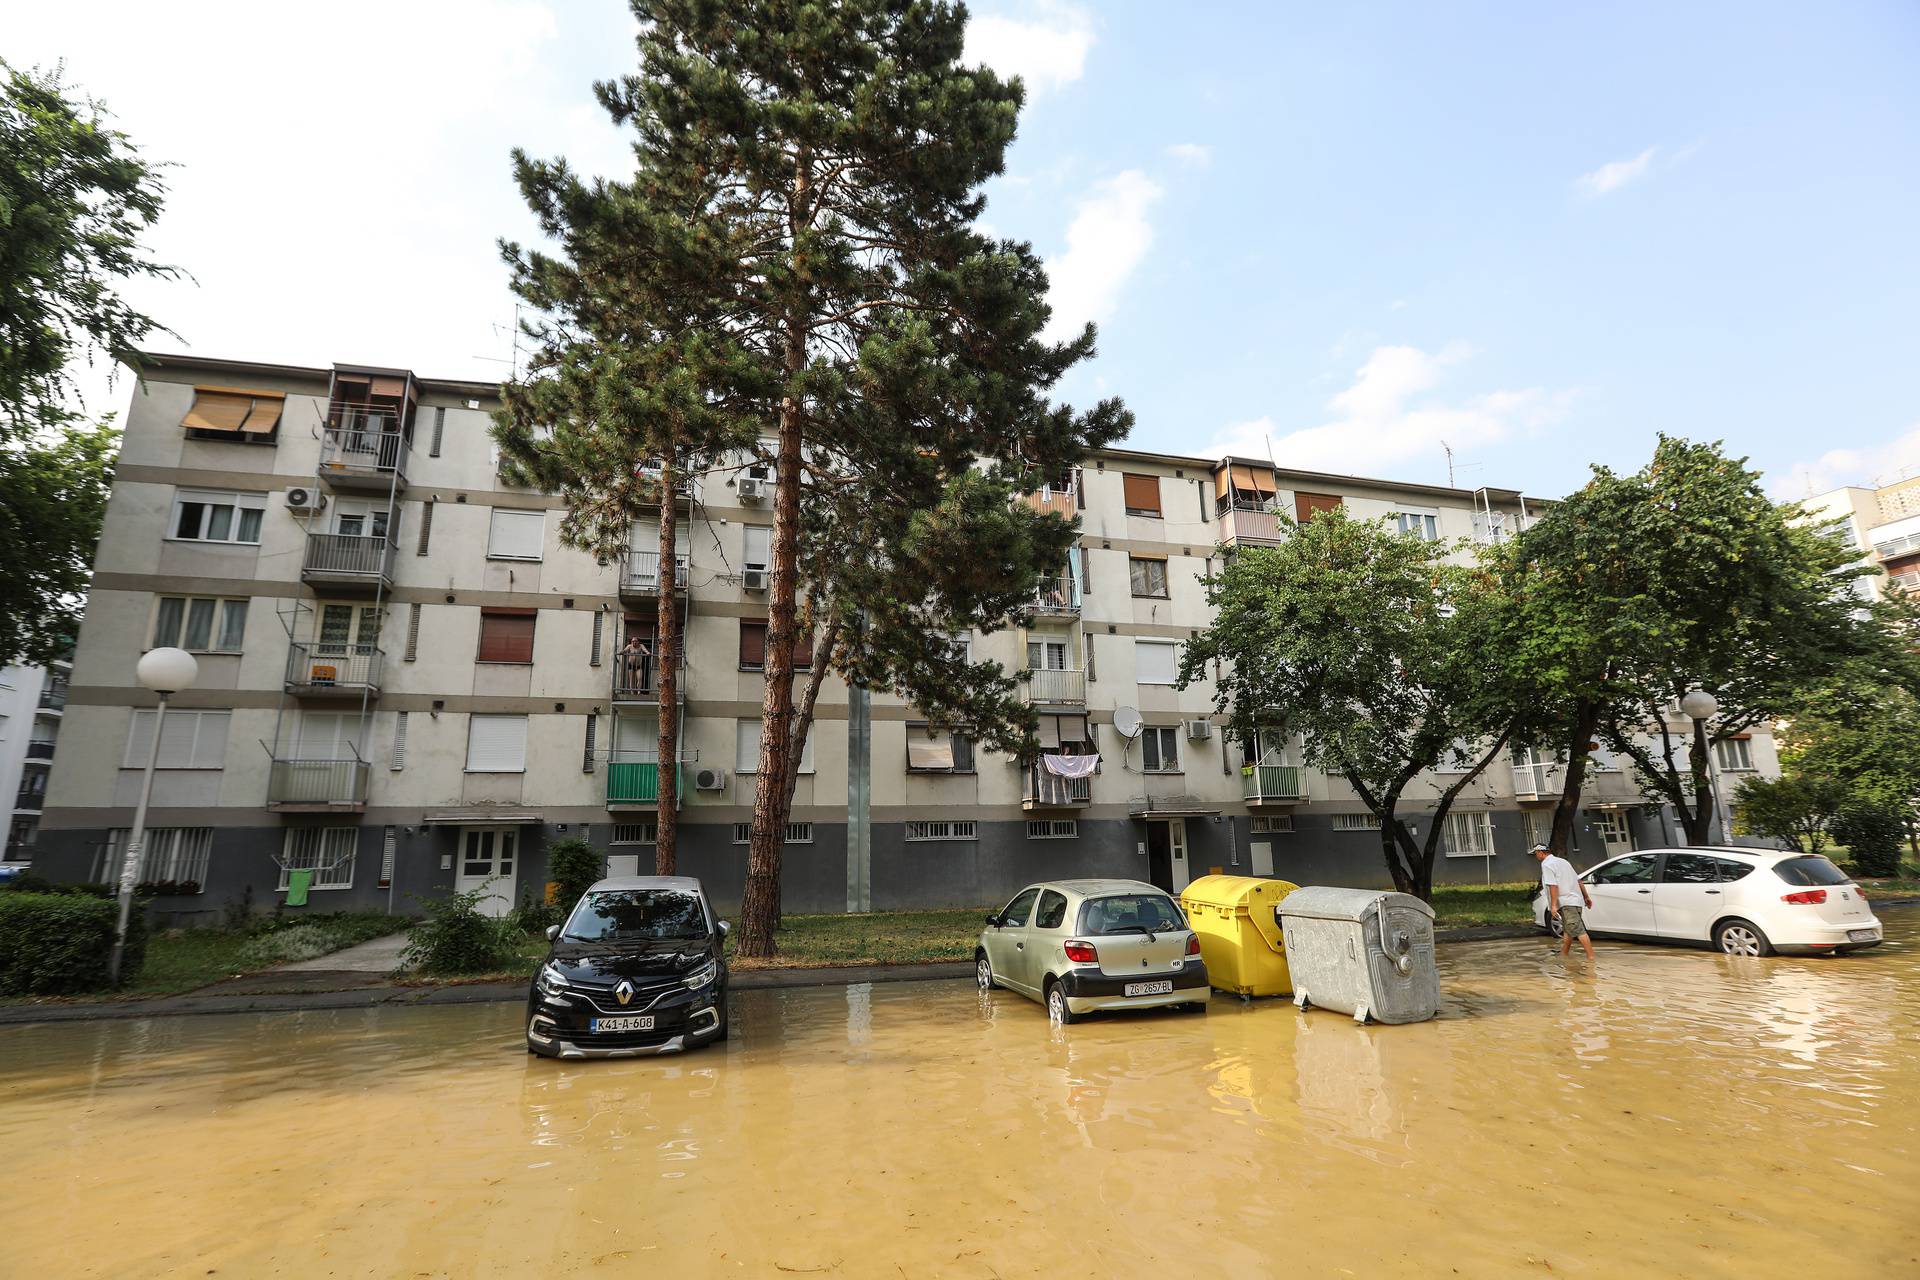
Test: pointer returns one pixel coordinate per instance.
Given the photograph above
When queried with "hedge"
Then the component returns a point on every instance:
(61, 944)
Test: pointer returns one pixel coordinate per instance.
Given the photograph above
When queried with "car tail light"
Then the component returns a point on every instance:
(1862, 893)
(1081, 952)
(1193, 944)
(1806, 897)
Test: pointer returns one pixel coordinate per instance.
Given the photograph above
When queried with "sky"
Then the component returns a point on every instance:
(1352, 238)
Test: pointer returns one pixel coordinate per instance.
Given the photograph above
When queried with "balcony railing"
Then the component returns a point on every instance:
(1060, 502)
(30, 801)
(1533, 780)
(638, 679)
(1240, 524)
(633, 778)
(54, 696)
(347, 558)
(1906, 581)
(1046, 684)
(293, 782)
(363, 452)
(320, 668)
(1261, 783)
(1057, 596)
(40, 749)
(642, 575)
(1905, 545)
(1040, 789)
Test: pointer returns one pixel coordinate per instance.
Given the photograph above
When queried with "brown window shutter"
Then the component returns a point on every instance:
(506, 635)
(1142, 493)
(1308, 505)
(803, 650)
(753, 644)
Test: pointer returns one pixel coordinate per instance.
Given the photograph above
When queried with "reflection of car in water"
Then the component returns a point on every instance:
(1081, 946)
(636, 969)
(1745, 902)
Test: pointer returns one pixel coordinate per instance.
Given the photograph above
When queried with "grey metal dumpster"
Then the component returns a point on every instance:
(1367, 952)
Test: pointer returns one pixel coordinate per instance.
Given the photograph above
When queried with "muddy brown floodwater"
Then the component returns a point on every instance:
(1683, 1114)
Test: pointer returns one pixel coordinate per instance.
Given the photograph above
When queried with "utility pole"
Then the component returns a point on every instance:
(859, 798)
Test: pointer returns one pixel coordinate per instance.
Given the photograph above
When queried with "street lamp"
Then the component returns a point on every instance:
(1700, 707)
(166, 672)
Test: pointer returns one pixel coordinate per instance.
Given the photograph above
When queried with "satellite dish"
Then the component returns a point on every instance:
(1127, 721)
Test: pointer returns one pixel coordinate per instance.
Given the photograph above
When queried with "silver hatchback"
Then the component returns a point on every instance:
(1080, 946)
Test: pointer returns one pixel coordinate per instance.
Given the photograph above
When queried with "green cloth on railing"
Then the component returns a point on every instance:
(298, 882)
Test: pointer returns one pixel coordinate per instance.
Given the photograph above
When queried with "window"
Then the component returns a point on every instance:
(1700, 868)
(746, 754)
(753, 647)
(1733, 755)
(1053, 829)
(1148, 576)
(218, 517)
(496, 744)
(1068, 732)
(516, 535)
(1424, 525)
(1052, 912)
(1637, 869)
(506, 635)
(199, 624)
(1808, 871)
(326, 735)
(1154, 661)
(797, 833)
(1539, 827)
(1015, 913)
(179, 854)
(1468, 835)
(346, 628)
(188, 740)
(757, 549)
(234, 415)
(931, 750)
(635, 832)
(942, 831)
(1047, 655)
(326, 851)
(961, 642)
(1308, 505)
(1160, 748)
(359, 518)
(1243, 488)
(1356, 822)
(1142, 495)
(1272, 824)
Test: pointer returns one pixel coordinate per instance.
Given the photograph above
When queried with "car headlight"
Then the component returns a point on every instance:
(700, 977)
(550, 980)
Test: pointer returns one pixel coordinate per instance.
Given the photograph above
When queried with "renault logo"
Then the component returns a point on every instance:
(623, 992)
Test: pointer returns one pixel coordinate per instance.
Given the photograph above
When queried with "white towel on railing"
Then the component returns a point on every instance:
(1071, 766)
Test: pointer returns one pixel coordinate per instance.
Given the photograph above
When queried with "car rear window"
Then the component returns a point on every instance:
(1811, 869)
(1130, 913)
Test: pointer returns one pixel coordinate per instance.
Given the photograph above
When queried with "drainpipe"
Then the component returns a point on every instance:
(859, 798)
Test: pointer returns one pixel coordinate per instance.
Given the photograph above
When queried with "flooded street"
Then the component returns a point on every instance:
(1682, 1114)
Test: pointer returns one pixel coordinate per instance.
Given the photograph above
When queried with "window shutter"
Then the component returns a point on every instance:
(757, 548)
(1142, 493)
(426, 526)
(399, 741)
(593, 727)
(929, 751)
(516, 535)
(753, 644)
(413, 632)
(496, 744)
(962, 753)
(439, 429)
(506, 635)
(1308, 505)
(386, 858)
(599, 627)
(1153, 662)
(746, 748)
(803, 649)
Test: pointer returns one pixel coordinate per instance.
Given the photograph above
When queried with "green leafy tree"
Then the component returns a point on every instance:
(1372, 647)
(1795, 807)
(1871, 827)
(56, 496)
(1858, 726)
(819, 165)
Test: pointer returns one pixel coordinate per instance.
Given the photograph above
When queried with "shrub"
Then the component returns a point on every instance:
(31, 883)
(455, 938)
(165, 888)
(535, 917)
(573, 865)
(62, 943)
(1872, 831)
(281, 946)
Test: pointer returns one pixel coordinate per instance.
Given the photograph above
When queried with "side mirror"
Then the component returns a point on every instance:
(553, 931)
(994, 919)
(725, 928)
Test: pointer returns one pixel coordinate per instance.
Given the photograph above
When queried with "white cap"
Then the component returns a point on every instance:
(1539, 848)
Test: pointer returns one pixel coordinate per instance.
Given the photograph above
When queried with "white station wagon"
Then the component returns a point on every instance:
(1079, 946)
(1745, 902)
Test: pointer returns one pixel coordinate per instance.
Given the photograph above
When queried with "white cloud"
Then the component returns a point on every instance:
(1611, 177)
(1879, 465)
(1047, 52)
(1195, 154)
(1107, 239)
(1384, 416)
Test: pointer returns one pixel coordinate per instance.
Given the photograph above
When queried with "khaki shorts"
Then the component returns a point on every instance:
(1573, 921)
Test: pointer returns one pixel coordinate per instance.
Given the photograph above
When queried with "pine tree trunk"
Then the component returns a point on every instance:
(666, 843)
(1586, 722)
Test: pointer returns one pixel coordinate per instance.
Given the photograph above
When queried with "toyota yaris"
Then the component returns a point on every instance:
(636, 969)
(1081, 946)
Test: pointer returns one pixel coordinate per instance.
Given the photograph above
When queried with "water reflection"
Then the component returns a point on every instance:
(1745, 1116)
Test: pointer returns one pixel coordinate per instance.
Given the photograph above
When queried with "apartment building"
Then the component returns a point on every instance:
(1882, 524)
(32, 702)
(408, 686)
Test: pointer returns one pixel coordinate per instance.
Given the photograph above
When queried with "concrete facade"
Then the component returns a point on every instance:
(300, 742)
(32, 704)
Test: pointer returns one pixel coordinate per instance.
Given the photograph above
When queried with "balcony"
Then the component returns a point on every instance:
(53, 698)
(1262, 784)
(633, 780)
(40, 749)
(1249, 524)
(640, 580)
(317, 786)
(348, 562)
(1906, 581)
(363, 451)
(647, 492)
(30, 799)
(333, 670)
(1042, 790)
(638, 679)
(1051, 687)
(1057, 597)
(1534, 781)
(1051, 501)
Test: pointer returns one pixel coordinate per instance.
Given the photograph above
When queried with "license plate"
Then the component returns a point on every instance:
(620, 1024)
(1161, 988)
(1862, 935)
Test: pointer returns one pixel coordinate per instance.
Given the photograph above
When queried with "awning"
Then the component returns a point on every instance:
(235, 411)
(1171, 807)
(483, 817)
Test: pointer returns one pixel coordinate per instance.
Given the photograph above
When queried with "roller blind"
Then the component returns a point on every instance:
(1153, 662)
(758, 551)
(1308, 505)
(506, 635)
(517, 535)
(234, 411)
(753, 644)
(746, 753)
(189, 740)
(929, 752)
(496, 744)
(1142, 493)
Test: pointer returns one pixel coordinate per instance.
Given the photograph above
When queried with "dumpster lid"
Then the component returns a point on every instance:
(1326, 902)
(1249, 894)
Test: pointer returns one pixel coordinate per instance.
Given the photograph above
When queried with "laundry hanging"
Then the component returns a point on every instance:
(1071, 766)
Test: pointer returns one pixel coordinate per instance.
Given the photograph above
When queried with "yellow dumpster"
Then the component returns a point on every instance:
(1240, 936)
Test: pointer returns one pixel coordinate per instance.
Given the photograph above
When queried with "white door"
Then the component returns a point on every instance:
(489, 863)
(1622, 895)
(1611, 826)
(623, 864)
(1177, 853)
(1691, 895)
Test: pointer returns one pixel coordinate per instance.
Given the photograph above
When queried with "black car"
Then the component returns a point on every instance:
(637, 968)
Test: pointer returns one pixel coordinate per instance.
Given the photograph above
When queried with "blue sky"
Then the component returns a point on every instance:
(1541, 234)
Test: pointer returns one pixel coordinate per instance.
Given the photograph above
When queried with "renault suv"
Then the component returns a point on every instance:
(637, 968)
(1081, 946)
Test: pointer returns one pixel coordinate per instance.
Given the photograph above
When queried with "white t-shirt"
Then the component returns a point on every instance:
(1557, 870)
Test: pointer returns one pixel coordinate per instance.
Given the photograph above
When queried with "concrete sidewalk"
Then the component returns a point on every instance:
(381, 956)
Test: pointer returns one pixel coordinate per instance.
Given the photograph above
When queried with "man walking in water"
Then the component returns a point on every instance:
(1567, 898)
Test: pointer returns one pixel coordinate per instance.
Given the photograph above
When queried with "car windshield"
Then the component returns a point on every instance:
(1130, 913)
(636, 915)
(1811, 869)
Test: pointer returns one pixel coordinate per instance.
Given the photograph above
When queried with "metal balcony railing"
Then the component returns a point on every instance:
(1057, 596)
(633, 778)
(343, 556)
(1042, 790)
(642, 575)
(1530, 780)
(40, 749)
(1239, 525)
(54, 696)
(30, 800)
(1060, 502)
(637, 679)
(366, 446)
(1052, 685)
(294, 781)
(1261, 782)
(323, 667)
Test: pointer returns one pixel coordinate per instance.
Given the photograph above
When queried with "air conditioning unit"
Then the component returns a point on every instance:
(305, 501)
(756, 579)
(709, 779)
(752, 488)
(1199, 730)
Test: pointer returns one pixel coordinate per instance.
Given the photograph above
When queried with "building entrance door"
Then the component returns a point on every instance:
(1167, 854)
(488, 863)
